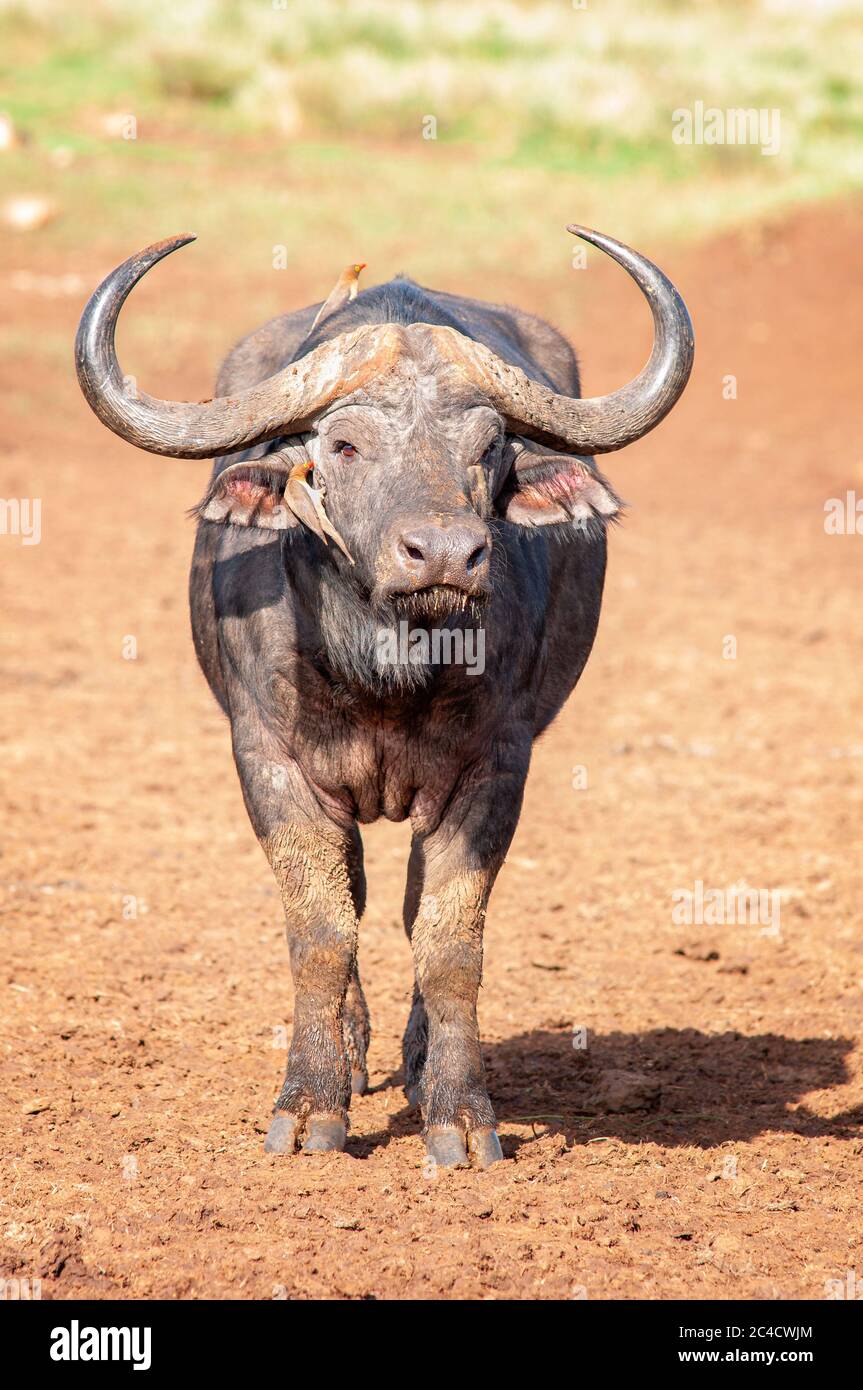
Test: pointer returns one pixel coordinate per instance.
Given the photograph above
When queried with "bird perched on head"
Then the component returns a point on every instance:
(343, 291)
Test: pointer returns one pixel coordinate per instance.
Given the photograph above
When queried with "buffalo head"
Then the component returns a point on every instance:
(398, 444)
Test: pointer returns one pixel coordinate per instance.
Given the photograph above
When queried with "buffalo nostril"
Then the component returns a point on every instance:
(453, 554)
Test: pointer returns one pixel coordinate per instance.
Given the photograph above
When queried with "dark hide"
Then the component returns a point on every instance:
(286, 630)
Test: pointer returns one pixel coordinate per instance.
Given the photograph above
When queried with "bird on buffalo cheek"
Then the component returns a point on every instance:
(307, 503)
(243, 494)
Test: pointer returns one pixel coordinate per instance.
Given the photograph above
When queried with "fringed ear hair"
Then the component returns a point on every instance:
(543, 487)
(272, 493)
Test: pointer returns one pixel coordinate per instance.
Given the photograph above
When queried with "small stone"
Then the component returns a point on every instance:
(697, 949)
(36, 1106)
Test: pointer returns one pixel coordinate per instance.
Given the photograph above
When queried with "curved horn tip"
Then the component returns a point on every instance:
(600, 239)
(169, 244)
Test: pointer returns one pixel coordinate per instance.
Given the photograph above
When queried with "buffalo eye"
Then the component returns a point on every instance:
(347, 451)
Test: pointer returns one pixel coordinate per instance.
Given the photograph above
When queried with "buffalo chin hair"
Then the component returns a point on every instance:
(351, 632)
(441, 604)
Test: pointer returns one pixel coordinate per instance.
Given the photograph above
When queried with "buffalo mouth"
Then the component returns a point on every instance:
(442, 603)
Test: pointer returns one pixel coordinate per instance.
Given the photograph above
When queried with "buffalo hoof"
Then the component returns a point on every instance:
(445, 1146)
(324, 1133)
(484, 1147)
(359, 1082)
(282, 1134)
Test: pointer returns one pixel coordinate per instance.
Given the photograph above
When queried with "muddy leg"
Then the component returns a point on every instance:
(356, 1024)
(453, 870)
(357, 1033)
(316, 868)
(415, 1041)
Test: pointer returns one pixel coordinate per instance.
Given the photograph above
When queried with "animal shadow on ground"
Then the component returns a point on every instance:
(712, 1088)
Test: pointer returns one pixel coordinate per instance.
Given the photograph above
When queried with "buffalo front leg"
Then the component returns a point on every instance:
(451, 875)
(319, 872)
(415, 1041)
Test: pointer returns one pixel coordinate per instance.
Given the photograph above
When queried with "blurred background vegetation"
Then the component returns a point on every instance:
(301, 123)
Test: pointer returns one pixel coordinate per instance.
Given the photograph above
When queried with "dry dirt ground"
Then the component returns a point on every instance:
(145, 981)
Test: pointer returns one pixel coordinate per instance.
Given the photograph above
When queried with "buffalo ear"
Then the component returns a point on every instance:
(249, 494)
(543, 488)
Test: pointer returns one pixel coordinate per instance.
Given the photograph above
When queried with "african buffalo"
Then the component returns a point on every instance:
(399, 458)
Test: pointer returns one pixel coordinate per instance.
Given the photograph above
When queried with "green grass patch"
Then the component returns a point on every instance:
(302, 122)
